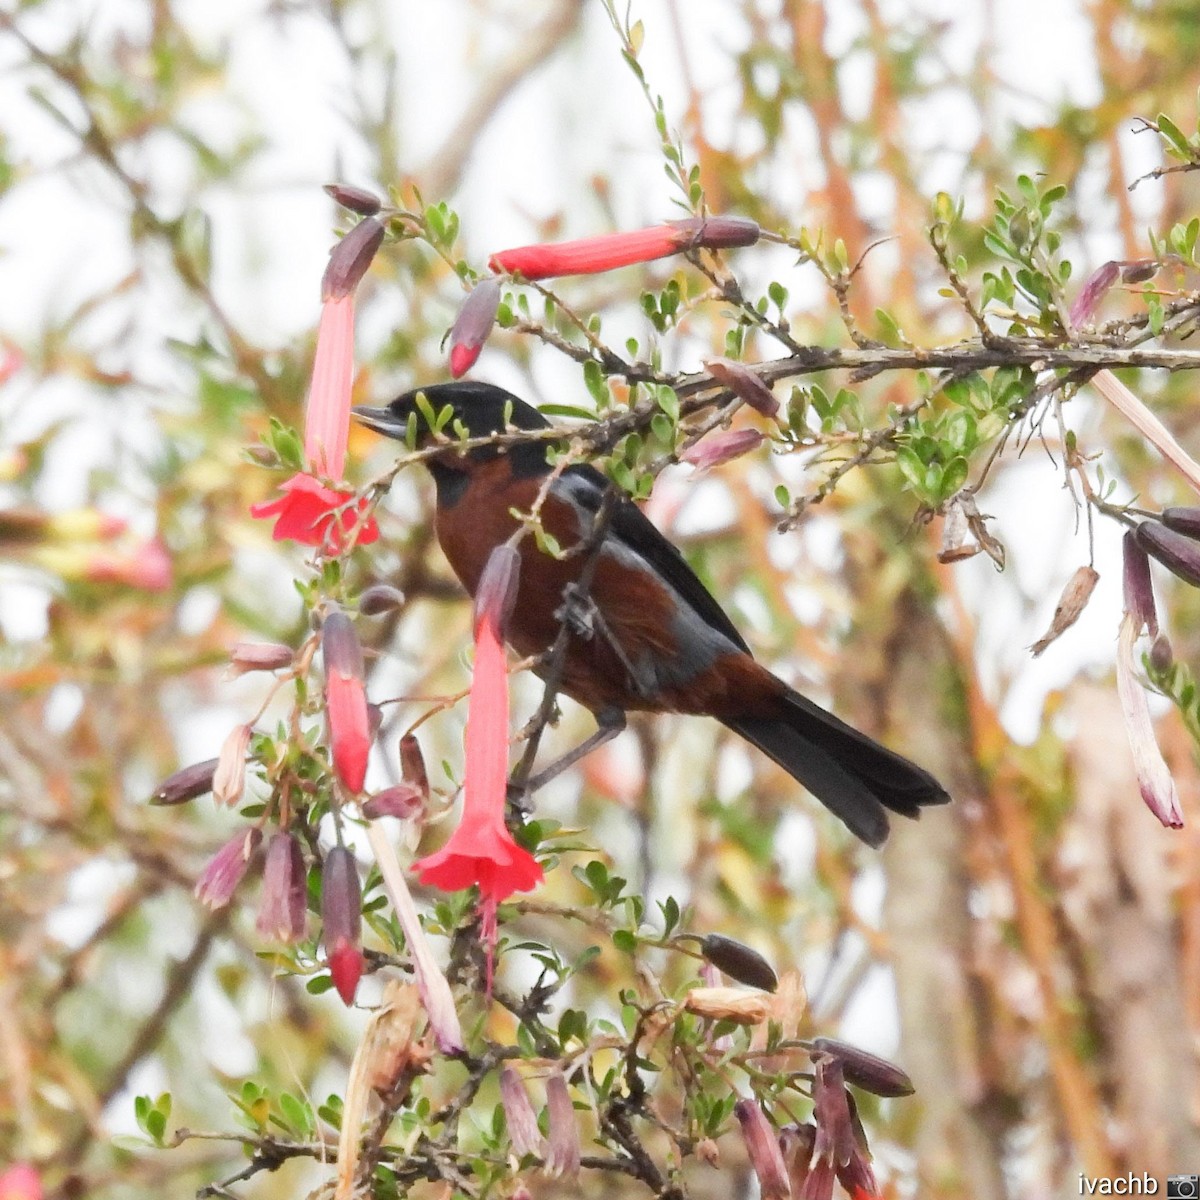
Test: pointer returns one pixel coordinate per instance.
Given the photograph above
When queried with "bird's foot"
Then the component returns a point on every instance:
(578, 612)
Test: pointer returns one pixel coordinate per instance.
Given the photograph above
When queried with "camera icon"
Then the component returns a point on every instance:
(1183, 1187)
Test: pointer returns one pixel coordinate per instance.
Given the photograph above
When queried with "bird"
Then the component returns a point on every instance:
(645, 634)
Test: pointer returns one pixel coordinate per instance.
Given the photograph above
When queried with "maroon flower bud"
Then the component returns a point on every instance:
(496, 595)
(405, 800)
(380, 598)
(227, 869)
(720, 447)
(1139, 270)
(562, 1154)
(282, 907)
(412, 764)
(260, 656)
(718, 233)
(341, 913)
(350, 259)
(473, 325)
(1137, 586)
(523, 1132)
(1185, 520)
(186, 784)
(1177, 552)
(867, 1071)
(229, 779)
(1094, 290)
(743, 383)
(739, 962)
(356, 199)
(345, 699)
(762, 1148)
(1161, 654)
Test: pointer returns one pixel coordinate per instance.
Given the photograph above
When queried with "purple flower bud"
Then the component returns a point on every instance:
(720, 447)
(1094, 290)
(340, 647)
(521, 1120)
(341, 913)
(1139, 270)
(762, 1148)
(496, 595)
(380, 598)
(831, 1111)
(739, 962)
(562, 1154)
(405, 800)
(1185, 520)
(186, 784)
(229, 779)
(864, 1070)
(350, 258)
(227, 868)
(743, 383)
(473, 325)
(282, 907)
(1177, 552)
(356, 199)
(1138, 589)
(260, 656)
(1161, 654)
(718, 233)
(412, 764)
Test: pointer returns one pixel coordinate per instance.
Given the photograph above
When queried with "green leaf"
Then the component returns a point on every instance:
(1173, 136)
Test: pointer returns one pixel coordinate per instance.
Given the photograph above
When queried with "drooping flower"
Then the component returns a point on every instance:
(523, 1132)
(1137, 587)
(227, 868)
(341, 914)
(481, 850)
(403, 801)
(865, 1070)
(1094, 289)
(229, 779)
(473, 325)
(831, 1111)
(762, 1149)
(562, 1151)
(282, 908)
(720, 447)
(744, 383)
(345, 700)
(259, 656)
(309, 511)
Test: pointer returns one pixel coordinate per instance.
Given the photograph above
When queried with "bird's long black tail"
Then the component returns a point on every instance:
(852, 775)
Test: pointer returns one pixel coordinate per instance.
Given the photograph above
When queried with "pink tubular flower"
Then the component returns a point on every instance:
(341, 913)
(562, 1151)
(481, 850)
(309, 512)
(20, 1182)
(472, 325)
(744, 384)
(283, 908)
(1153, 775)
(720, 447)
(1094, 290)
(227, 869)
(523, 1133)
(345, 700)
(762, 1148)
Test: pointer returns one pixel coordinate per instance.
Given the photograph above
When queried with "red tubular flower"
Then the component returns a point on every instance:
(345, 700)
(472, 325)
(762, 1148)
(227, 869)
(312, 514)
(481, 850)
(341, 913)
(588, 256)
(282, 908)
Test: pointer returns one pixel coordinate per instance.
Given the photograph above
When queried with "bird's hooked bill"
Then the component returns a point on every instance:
(381, 420)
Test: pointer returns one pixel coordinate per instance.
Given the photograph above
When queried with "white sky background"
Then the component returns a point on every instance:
(63, 237)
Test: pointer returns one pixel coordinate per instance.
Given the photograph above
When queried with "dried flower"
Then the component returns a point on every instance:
(865, 1070)
(229, 779)
(1153, 775)
(356, 199)
(1071, 603)
(762, 1148)
(227, 869)
(562, 1152)
(1095, 288)
(739, 961)
(380, 598)
(523, 1132)
(744, 383)
(412, 764)
(186, 784)
(282, 908)
(720, 447)
(473, 325)
(728, 1004)
(404, 801)
(345, 699)
(341, 913)
(957, 542)
(259, 656)
(1176, 551)
(1137, 586)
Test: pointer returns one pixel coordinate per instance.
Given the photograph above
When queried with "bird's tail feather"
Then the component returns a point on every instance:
(851, 774)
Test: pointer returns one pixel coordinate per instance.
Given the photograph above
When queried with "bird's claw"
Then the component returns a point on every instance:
(577, 612)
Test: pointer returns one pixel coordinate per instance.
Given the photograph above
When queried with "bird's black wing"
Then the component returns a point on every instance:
(632, 527)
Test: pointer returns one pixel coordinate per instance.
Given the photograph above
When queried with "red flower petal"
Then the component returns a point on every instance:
(312, 514)
(349, 731)
(586, 256)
